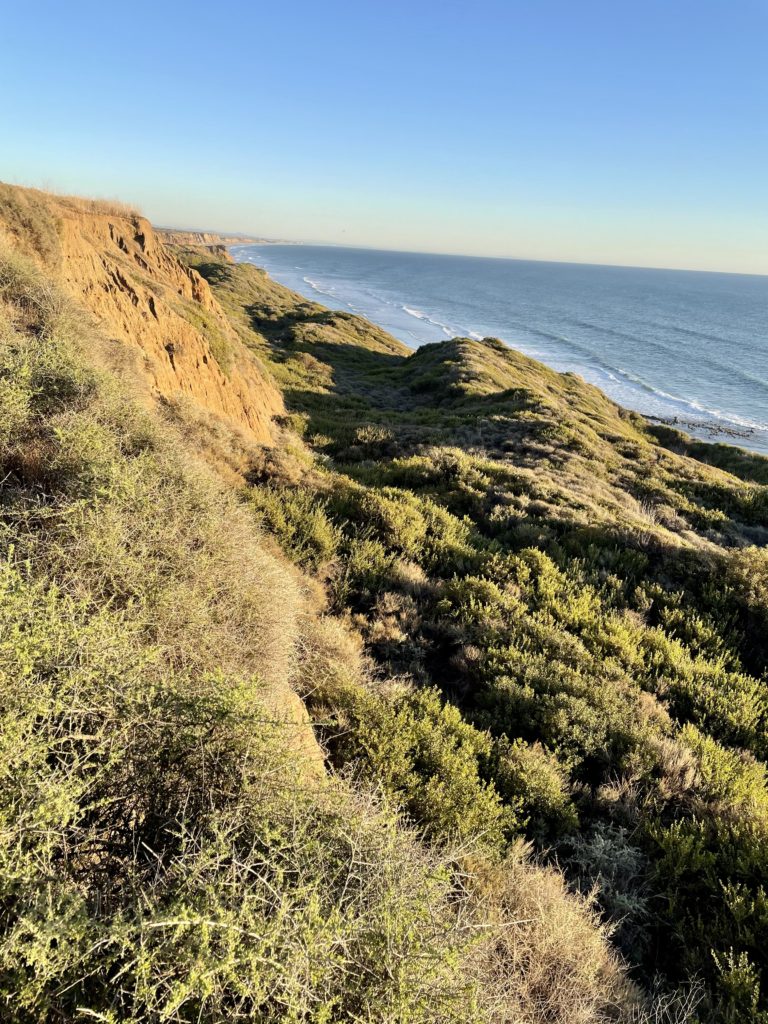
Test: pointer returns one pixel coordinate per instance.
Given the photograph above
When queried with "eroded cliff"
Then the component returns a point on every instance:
(110, 258)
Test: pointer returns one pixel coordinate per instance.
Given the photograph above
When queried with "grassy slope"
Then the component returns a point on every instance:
(169, 850)
(590, 592)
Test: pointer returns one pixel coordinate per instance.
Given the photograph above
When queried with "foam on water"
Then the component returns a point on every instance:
(319, 288)
(430, 320)
(686, 346)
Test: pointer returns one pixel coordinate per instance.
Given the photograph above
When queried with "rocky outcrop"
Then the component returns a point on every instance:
(111, 259)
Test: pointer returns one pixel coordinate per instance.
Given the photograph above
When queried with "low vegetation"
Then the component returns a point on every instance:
(448, 708)
(172, 848)
(562, 614)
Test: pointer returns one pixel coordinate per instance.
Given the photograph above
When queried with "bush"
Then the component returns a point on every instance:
(299, 523)
(531, 777)
(607, 862)
(426, 758)
(711, 867)
(549, 963)
(365, 570)
(164, 859)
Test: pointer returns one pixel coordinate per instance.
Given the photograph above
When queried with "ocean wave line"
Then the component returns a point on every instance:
(428, 319)
(319, 288)
(691, 403)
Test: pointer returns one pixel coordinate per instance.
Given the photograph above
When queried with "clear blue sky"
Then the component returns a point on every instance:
(618, 131)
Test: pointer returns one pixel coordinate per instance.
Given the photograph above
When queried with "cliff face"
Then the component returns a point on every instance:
(174, 236)
(110, 258)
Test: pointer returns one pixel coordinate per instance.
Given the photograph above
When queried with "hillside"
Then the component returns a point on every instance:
(175, 236)
(588, 589)
(340, 683)
(110, 259)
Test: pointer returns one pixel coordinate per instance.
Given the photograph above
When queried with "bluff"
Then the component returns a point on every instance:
(110, 259)
(524, 622)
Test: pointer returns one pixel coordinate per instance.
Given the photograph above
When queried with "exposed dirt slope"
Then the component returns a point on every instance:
(110, 258)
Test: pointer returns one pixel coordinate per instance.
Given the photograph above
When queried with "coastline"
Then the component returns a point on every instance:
(696, 427)
(397, 318)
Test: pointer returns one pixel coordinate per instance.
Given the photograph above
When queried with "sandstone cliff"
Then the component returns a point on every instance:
(110, 258)
(177, 236)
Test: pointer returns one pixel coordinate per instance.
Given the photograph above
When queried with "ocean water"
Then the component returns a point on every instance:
(684, 346)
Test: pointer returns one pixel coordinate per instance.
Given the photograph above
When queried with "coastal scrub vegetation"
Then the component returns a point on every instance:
(172, 845)
(447, 708)
(561, 615)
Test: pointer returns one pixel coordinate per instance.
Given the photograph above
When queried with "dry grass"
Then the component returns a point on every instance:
(108, 207)
(550, 960)
(30, 221)
(330, 656)
(547, 958)
(223, 447)
(135, 519)
(31, 217)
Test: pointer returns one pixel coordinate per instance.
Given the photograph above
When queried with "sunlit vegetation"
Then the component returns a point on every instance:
(562, 612)
(172, 846)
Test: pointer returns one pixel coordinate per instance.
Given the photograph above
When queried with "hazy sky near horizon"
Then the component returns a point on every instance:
(609, 131)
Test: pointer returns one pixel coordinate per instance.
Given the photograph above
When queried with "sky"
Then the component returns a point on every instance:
(606, 131)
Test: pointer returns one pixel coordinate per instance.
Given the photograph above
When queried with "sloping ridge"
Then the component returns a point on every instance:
(109, 258)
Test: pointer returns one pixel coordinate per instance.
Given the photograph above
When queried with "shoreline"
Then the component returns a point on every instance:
(707, 430)
(712, 427)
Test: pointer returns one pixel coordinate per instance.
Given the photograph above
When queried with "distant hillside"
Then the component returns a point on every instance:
(179, 236)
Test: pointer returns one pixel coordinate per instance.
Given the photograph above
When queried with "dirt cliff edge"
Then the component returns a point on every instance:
(110, 259)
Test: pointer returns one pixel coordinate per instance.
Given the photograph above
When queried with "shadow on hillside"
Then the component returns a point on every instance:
(351, 383)
(358, 377)
(741, 463)
(746, 465)
(213, 272)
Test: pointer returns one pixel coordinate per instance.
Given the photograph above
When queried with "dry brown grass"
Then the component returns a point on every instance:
(31, 217)
(27, 217)
(330, 656)
(108, 207)
(223, 447)
(549, 959)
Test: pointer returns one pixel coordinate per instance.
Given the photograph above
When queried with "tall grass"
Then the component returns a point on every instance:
(26, 216)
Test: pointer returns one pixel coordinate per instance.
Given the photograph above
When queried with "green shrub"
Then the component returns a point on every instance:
(530, 777)
(396, 520)
(299, 523)
(711, 867)
(427, 758)
(365, 570)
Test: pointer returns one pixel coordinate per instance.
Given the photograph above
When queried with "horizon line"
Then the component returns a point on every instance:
(263, 240)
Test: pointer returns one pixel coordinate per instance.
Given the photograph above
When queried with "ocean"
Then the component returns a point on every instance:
(684, 346)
